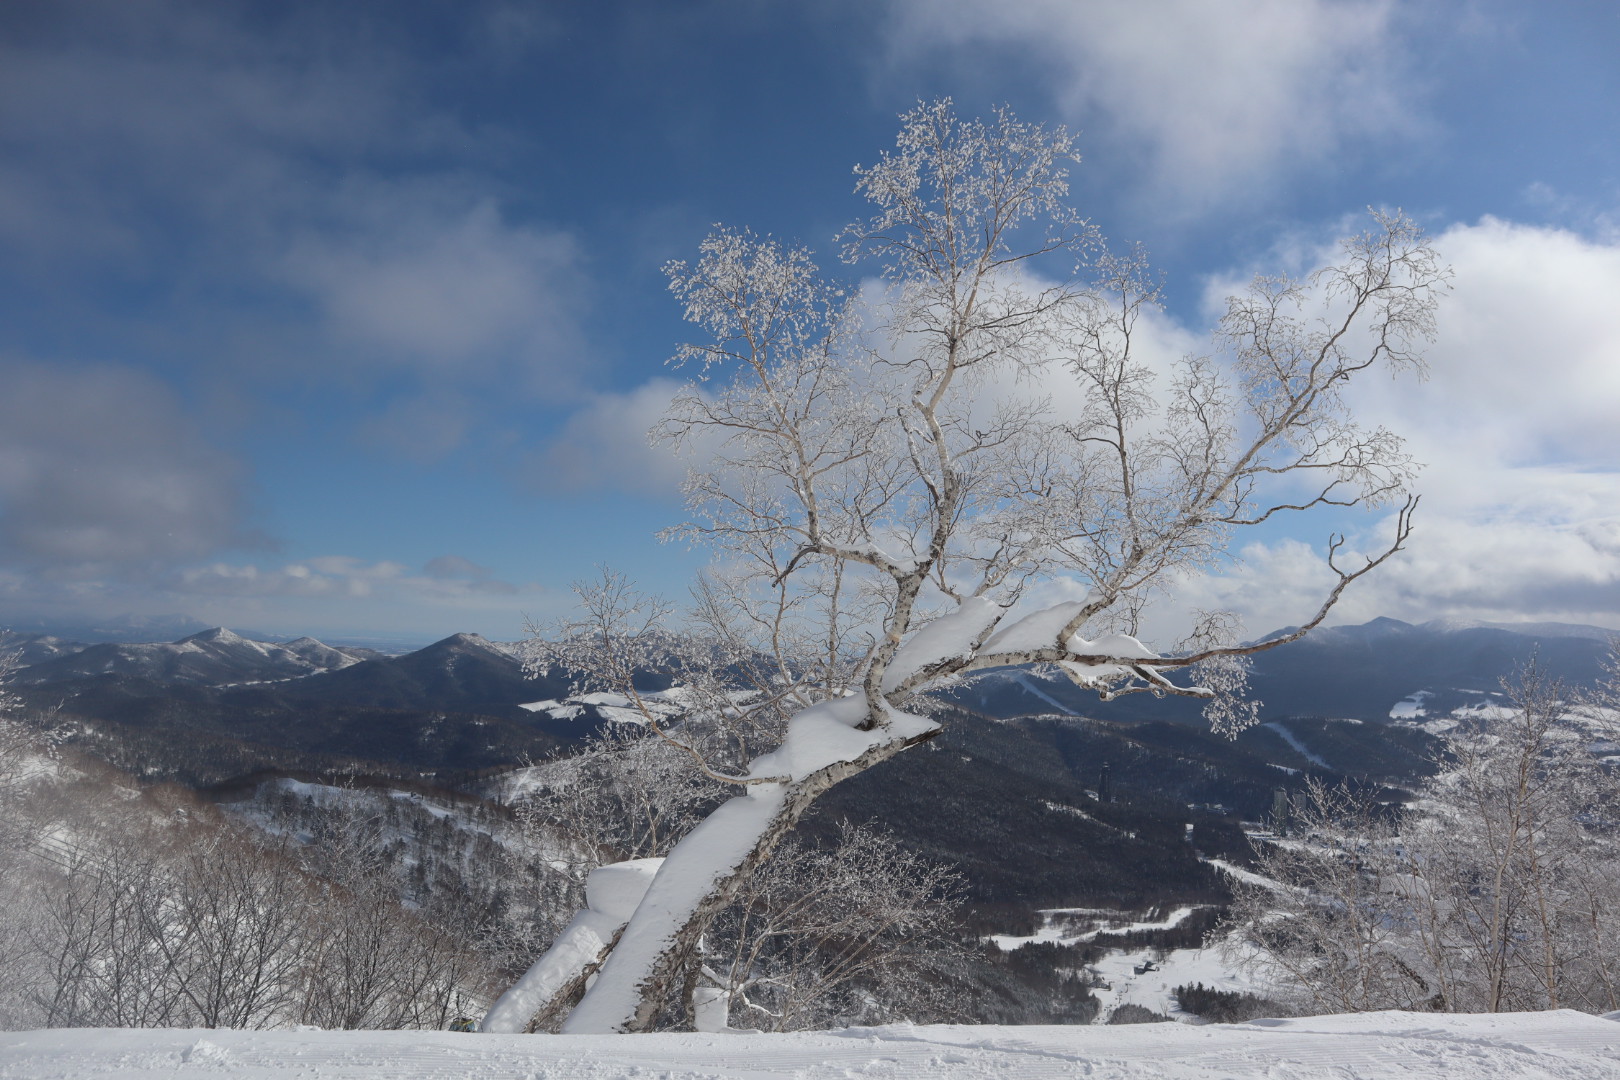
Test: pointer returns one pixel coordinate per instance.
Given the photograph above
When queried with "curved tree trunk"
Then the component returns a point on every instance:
(702, 875)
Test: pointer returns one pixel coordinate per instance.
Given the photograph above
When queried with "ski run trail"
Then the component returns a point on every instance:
(1369, 1046)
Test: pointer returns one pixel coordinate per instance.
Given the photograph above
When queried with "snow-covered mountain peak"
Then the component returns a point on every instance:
(469, 641)
(215, 635)
(1532, 629)
(213, 657)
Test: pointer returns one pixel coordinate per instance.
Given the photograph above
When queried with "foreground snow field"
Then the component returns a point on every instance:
(1370, 1046)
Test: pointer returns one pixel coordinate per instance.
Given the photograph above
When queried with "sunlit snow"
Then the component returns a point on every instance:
(1370, 1046)
(1410, 708)
(1298, 747)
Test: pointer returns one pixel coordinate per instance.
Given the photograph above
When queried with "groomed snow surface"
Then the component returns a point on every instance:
(1369, 1046)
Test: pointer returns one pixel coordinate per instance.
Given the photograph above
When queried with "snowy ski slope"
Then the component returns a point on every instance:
(1370, 1046)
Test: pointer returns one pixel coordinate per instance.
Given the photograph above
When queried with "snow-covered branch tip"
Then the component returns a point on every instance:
(1119, 665)
(1403, 532)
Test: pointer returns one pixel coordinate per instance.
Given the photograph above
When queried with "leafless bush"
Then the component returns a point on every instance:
(158, 912)
(862, 932)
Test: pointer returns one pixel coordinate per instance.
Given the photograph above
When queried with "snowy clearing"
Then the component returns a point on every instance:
(1057, 927)
(1249, 876)
(1298, 747)
(1149, 977)
(1370, 1046)
(1411, 708)
(1025, 680)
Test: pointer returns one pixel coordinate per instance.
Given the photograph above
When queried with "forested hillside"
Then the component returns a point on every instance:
(294, 785)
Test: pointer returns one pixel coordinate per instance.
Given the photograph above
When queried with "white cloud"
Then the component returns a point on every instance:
(309, 213)
(1213, 96)
(1454, 567)
(1526, 368)
(454, 566)
(343, 576)
(1516, 424)
(1524, 372)
(604, 447)
(1516, 427)
(101, 472)
(415, 277)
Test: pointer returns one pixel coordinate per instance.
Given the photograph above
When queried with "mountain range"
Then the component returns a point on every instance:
(216, 704)
(1013, 792)
(1360, 672)
(216, 657)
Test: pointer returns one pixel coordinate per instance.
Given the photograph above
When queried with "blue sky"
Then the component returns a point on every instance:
(347, 318)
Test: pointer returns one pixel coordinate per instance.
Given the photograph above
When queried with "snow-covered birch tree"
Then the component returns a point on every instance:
(891, 471)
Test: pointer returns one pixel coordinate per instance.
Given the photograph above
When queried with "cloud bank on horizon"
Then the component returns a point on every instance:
(350, 320)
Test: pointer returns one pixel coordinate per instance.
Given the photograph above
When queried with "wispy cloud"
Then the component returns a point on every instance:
(422, 276)
(103, 474)
(295, 207)
(1515, 426)
(604, 448)
(1213, 100)
(341, 576)
(331, 594)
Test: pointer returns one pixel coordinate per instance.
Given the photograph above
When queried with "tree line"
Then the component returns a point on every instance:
(150, 909)
(1496, 889)
(360, 905)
